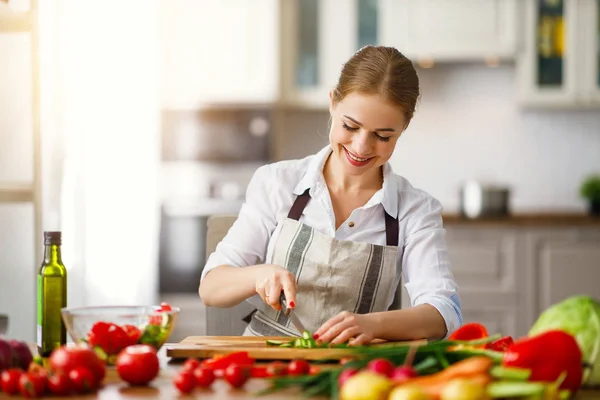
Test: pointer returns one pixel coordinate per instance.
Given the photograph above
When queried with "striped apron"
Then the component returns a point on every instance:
(332, 275)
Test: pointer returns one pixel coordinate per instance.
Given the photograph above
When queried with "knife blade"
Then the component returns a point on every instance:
(289, 312)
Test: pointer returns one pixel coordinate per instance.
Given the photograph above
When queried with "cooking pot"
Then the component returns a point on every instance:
(484, 200)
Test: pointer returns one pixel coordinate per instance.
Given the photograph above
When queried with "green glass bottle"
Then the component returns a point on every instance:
(51, 297)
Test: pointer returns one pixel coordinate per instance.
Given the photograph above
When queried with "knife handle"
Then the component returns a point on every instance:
(283, 303)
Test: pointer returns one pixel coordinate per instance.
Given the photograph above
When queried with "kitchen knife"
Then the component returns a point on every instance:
(289, 312)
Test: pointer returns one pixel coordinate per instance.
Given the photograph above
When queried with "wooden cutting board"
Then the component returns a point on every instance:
(208, 346)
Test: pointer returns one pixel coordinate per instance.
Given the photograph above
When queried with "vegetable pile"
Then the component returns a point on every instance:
(469, 365)
(108, 339)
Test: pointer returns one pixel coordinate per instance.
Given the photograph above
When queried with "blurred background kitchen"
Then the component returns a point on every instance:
(126, 124)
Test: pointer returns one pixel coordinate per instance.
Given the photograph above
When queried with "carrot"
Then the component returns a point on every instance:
(473, 368)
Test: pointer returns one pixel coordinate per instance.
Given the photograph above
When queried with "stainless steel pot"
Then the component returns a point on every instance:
(481, 200)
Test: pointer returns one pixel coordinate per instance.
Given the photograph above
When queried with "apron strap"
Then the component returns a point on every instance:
(391, 230)
(298, 206)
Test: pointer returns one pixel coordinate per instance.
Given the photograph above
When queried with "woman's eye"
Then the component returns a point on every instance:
(382, 138)
(349, 128)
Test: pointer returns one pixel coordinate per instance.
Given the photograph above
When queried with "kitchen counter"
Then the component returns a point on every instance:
(561, 219)
(162, 388)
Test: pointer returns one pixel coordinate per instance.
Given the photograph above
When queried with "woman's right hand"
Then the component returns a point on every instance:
(271, 280)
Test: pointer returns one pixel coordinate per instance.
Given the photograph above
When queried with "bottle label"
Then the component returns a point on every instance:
(40, 308)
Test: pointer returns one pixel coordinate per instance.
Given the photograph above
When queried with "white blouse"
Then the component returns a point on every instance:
(422, 257)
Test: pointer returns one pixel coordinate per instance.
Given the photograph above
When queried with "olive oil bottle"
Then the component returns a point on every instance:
(51, 296)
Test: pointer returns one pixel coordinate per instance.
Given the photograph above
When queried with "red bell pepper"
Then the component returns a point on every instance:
(547, 356)
(469, 331)
(501, 344)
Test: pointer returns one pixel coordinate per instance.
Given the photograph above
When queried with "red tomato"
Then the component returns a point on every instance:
(133, 333)
(66, 358)
(82, 379)
(203, 376)
(35, 368)
(164, 306)
(298, 367)
(236, 375)
(10, 380)
(32, 385)
(314, 370)
(59, 384)
(184, 382)
(138, 364)
(110, 337)
(190, 365)
(276, 368)
(381, 366)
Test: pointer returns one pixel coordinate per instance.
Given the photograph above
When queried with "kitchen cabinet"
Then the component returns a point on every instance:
(486, 267)
(559, 66)
(318, 37)
(508, 275)
(461, 30)
(562, 263)
(218, 52)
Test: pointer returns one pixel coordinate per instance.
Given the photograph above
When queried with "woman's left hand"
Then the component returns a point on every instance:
(346, 326)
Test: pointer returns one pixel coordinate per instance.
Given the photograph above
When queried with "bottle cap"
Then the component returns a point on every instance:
(52, 238)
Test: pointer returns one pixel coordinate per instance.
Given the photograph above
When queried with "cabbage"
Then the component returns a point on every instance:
(579, 316)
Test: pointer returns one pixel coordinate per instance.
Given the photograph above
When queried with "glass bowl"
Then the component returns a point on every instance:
(109, 329)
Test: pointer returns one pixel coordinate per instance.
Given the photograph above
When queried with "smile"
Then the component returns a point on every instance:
(354, 160)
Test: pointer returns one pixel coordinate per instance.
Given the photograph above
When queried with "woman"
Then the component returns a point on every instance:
(335, 231)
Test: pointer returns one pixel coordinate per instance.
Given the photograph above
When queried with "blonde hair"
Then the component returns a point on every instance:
(380, 70)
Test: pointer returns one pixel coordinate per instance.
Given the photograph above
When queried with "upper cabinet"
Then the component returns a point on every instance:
(560, 63)
(319, 36)
(458, 30)
(218, 51)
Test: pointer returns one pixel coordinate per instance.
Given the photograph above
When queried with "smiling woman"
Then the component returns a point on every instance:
(336, 231)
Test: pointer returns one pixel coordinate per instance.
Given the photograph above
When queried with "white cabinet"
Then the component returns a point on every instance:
(218, 51)
(459, 30)
(559, 66)
(318, 37)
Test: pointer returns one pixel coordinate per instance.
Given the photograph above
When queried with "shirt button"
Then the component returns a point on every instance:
(351, 224)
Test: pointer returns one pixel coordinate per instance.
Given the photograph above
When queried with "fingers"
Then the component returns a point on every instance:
(289, 290)
(362, 339)
(346, 333)
(273, 294)
(323, 333)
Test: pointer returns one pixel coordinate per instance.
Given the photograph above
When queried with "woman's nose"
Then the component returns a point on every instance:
(363, 143)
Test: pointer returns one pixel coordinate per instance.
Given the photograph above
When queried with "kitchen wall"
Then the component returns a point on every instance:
(469, 125)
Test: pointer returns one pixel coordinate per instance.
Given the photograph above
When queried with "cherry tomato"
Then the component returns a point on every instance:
(59, 384)
(133, 333)
(32, 385)
(184, 382)
(236, 375)
(314, 370)
(10, 380)
(138, 364)
(190, 365)
(276, 368)
(82, 379)
(66, 358)
(164, 306)
(203, 376)
(298, 367)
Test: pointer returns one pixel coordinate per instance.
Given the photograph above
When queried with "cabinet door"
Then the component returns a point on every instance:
(485, 264)
(590, 54)
(563, 263)
(218, 51)
(319, 36)
(450, 31)
(549, 67)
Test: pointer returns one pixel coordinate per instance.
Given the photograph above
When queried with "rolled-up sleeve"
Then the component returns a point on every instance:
(247, 240)
(426, 265)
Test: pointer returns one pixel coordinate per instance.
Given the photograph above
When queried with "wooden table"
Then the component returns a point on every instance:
(162, 388)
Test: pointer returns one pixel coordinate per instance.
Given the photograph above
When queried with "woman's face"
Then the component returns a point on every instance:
(364, 132)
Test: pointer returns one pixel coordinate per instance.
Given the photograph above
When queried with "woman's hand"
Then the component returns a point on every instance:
(346, 326)
(271, 281)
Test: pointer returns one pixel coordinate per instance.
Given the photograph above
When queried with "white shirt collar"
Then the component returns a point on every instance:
(387, 195)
